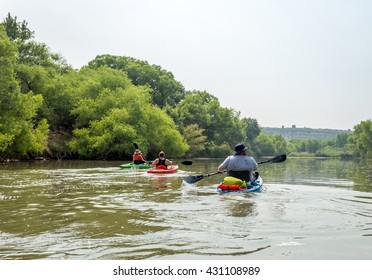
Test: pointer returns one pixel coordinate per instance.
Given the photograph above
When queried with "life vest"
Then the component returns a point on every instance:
(138, 157)
(161, 164)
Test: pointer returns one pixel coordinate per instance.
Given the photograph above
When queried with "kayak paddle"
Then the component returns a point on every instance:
(276, 159)
(196, 178)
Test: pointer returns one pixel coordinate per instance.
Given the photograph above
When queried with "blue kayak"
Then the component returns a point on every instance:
(256, 186)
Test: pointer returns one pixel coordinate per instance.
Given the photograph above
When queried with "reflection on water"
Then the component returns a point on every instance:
(312, 209)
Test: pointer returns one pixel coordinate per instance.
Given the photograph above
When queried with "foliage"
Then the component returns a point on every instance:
(17, 30)
(195, 139)
(31, 52)
(20, 134)
(321, 147)
(220, 125)
(361, 139)
(266, 144)
(218, 151)
(252, 129)
(165, 89)
(111, 114)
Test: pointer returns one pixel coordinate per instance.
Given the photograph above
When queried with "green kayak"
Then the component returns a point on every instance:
(136, 166)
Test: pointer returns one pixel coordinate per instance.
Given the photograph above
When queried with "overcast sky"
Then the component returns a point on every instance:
(283, 62)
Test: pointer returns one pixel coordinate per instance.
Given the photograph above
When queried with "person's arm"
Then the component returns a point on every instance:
(223, 166)
(155, 162)
(254, 164)
(168, 162)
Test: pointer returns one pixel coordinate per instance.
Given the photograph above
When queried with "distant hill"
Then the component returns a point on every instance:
(304, 133)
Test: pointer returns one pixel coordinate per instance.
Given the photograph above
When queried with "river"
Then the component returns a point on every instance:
(311, 209)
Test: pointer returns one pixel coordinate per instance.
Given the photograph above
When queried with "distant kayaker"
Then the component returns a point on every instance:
(138, 157)
(161, 162)
(240, 165)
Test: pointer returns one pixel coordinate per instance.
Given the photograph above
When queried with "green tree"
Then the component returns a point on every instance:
(269, 145)
(360, 141)
(264, 145)
(342, 140)
(221, 125)
(195, 139)
(165, 89)
(20, 134)
(313, 145)
(280, 144)
(29, 51)
(111, 114)
(252, 129)
(17, 31)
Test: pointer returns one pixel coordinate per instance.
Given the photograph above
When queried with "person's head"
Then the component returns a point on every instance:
(240, 149)
(137, 151)
(161, 154)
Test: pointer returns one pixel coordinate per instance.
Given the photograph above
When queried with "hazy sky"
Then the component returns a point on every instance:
(282, 62)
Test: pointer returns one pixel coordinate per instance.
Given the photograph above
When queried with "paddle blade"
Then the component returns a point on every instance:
(193, 179)
(197, 178)
(135, 145)
(280, 158)
(186, 162)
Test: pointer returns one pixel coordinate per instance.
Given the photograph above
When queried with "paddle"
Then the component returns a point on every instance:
(276, 159)
(186, 162)
(196, 178)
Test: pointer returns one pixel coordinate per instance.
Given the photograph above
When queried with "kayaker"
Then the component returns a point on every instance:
(138, 157)
(240, 165)
(161, 162)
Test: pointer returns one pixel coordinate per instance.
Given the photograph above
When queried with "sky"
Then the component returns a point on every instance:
(283, 62)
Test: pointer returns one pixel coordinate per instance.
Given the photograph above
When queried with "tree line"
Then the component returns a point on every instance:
(49, 109)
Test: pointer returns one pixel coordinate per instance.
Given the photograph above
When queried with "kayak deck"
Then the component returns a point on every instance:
(170, 169)
(253, 187)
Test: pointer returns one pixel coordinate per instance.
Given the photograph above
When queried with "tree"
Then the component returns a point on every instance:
(313, 145)
(20, 134)
(360, 141)
(31, 52)
(221, 125)
(342, 140)
(165, 89)
(194, 137)
(252, 129)
(17, 30)
(269, 145)
(264, 145)
(111, 114)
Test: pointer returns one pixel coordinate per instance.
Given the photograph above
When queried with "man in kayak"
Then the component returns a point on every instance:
(240, 165)
(161, 162)
(138, 157)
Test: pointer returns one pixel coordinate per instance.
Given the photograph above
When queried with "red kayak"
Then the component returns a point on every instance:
(170, 169)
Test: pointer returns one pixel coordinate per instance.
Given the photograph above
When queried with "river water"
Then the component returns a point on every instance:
(311, 209)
